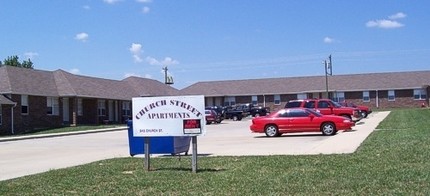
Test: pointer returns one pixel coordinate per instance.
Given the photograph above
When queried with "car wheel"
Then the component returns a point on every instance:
(271, 131)
(363, 114)
(328, 129)
(235, 118)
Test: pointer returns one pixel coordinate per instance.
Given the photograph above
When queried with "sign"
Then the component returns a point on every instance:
(168, 116)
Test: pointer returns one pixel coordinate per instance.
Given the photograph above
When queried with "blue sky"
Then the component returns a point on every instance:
(207, 40)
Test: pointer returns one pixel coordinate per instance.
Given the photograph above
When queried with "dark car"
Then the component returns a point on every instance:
(259, 111)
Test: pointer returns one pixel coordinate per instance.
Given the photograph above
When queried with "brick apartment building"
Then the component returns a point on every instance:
(34, 99)
(377, 90)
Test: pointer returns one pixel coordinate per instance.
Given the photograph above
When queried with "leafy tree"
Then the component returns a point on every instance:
(14, 61)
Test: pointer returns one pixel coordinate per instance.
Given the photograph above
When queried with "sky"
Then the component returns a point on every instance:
(213, 40)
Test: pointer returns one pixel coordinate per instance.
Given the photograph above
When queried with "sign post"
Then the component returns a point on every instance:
(169, 116)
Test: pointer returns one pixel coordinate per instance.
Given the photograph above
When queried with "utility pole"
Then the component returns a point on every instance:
(328, 71)
(167, 79)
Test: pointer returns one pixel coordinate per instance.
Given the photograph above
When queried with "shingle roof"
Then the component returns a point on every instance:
(292, 85)
(15, 80)
(6, 101)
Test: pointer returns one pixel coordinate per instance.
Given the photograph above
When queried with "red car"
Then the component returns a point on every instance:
(299, 120)
(364, 110)
(210, 116)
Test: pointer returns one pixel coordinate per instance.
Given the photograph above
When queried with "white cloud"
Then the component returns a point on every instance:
(328, 40)
(145, 10)
(30, 55)
(385, 24)
(82, 37)
(389, 23)
(166, 62)
(111, 1)
(75, 71)
(144, 1)
(398, 15)
(136, 50)
(86, 7)
(137, 75)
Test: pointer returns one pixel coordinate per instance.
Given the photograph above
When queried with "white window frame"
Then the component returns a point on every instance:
(101, 107)
(80, 107)
(277, 99)
(366, 96)
(24, 103)
(391, 95)
(229, 101)
(302, 96)
(339, 97)
(126, 111)
(53, 106)
(254, 100)
(420, 93)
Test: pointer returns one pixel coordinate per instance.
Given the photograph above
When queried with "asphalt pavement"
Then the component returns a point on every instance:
(21, 156)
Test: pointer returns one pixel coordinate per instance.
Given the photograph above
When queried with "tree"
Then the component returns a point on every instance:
(14, 61)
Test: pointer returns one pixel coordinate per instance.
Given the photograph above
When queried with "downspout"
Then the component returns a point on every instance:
(11, 115)
(377, 99)
(264, 100)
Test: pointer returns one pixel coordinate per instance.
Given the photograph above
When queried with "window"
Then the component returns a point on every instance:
(391, 95)
(80, 108)
(254, 100)
(420, 94)
(277, 99)
(229, 101)
(126, 108)
(101, 109)
(366, 96)
(339, 97)
(302, 96)
(0, 114)
(24, 104)
(293, 104)
(310, 104)
(323, 104)
(52, 106)
(297, 113)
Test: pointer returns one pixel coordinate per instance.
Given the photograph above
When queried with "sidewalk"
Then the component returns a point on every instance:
(36, 136)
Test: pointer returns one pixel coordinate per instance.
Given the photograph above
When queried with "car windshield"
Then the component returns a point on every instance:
(313, 112)
(336, 104)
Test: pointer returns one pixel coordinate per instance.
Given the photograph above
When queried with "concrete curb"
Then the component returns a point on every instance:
(16, 138)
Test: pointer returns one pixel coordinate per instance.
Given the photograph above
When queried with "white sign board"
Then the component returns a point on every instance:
(169, 116)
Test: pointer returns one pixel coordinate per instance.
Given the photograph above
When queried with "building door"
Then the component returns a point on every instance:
(111, 110)
(66, 110)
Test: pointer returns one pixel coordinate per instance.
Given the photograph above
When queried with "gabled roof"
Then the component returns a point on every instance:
(293, 85)
(6, 101)
(15, 80)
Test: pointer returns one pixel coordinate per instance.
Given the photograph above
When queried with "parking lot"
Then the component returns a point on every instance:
(230, 138)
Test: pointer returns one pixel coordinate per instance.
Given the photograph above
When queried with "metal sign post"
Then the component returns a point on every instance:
(146, 148)
(194, 157)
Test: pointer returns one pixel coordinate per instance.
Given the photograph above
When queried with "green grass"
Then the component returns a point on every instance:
(395, 160)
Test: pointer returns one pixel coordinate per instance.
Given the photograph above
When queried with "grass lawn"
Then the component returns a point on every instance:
(394, 160)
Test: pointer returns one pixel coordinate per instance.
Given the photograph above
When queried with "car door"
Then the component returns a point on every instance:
(299, 120)
(324, 107)
(283, 121)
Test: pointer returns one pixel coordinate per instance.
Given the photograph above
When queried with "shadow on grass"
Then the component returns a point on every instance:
(199, 170)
